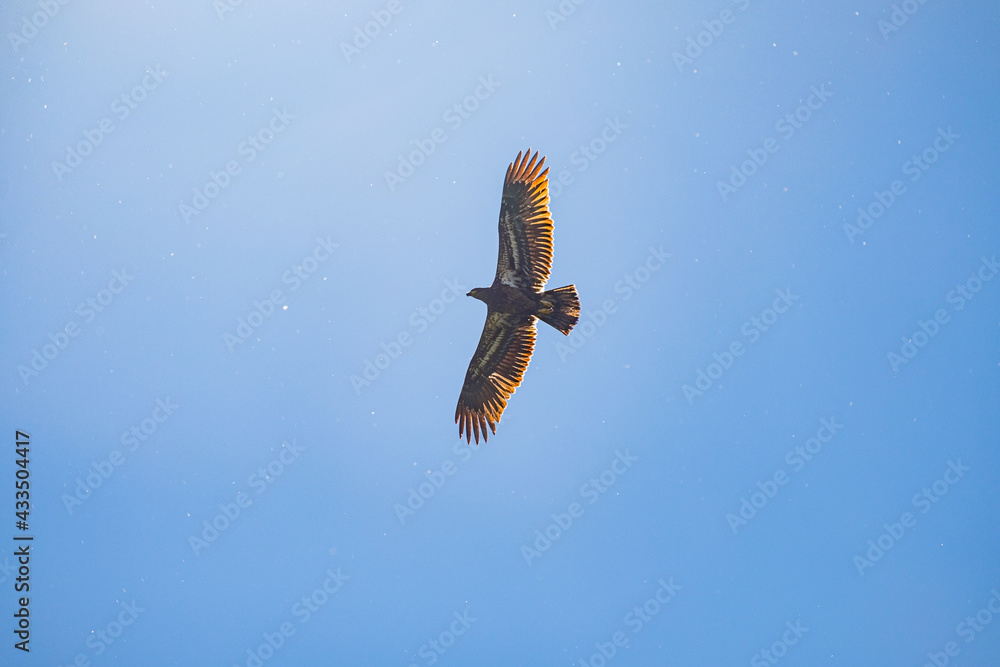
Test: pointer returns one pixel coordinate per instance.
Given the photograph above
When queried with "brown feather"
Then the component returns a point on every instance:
(525, 258)
(496, 370)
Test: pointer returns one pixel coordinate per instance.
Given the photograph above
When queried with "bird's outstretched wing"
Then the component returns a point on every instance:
(525, 257)
(494, 373)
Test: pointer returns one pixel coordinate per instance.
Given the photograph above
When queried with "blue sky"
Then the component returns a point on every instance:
(235, 241)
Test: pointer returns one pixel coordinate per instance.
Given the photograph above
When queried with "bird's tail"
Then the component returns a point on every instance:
(560, 308)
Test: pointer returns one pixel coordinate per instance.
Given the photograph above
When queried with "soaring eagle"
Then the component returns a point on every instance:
(514, 300)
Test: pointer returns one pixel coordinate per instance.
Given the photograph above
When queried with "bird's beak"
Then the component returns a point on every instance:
(468, 294)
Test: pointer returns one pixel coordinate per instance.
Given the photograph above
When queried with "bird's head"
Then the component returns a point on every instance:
(476, 293)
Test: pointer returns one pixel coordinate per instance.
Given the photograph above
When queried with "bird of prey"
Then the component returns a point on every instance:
(515, 299)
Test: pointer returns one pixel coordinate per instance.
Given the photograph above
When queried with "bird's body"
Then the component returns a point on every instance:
(507, 299)
(514, 300)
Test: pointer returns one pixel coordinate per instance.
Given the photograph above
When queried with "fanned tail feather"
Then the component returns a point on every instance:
(560, 308)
